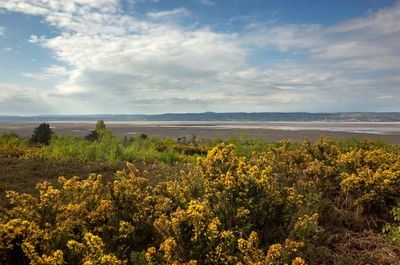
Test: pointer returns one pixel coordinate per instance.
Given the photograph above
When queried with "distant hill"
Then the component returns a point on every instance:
(213, 116)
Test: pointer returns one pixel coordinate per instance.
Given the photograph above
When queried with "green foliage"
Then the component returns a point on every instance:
(66, 147)
(100, 126)
(11, 140)
(244, 145)
(101, 144)
(98, 132)
(41, 134)
(11, 145)
(92, 136)
(392, 231)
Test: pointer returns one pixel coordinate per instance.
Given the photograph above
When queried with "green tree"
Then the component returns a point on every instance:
(100, 125)
(98, 132)
(41, 134)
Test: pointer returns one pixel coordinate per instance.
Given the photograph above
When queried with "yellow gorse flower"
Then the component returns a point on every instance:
(226, 209)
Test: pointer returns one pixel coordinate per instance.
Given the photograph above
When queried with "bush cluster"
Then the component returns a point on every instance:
(283, 205)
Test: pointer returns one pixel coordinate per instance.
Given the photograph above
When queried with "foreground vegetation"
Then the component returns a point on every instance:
(240, 201)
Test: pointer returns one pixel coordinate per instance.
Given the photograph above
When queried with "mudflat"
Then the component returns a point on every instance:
(272, 131)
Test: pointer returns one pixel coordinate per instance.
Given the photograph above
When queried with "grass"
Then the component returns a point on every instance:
(112, 149)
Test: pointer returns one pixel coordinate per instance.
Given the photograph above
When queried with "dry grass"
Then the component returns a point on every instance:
(22, 175)
(362, 248)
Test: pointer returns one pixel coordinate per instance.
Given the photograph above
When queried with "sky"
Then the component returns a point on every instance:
(173, 56)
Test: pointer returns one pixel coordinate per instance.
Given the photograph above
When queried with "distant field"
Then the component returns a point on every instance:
(272, 131)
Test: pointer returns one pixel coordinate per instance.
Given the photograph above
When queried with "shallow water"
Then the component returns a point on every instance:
(380, 128)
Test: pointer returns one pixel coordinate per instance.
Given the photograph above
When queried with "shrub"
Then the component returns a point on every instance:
(392, 231)
(190, 150)
(274, 206)
(100, 125)
(92, 136)
(371, 177)
(98, 132)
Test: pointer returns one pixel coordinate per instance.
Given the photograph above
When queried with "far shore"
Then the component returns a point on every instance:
(271, 131)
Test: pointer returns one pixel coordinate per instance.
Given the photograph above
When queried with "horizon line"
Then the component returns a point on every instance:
(196, 113)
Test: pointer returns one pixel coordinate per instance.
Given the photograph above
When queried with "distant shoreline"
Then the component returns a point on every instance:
(218, 117)
(271, 131)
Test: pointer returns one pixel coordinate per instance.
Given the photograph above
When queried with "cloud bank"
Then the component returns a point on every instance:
(118, 62)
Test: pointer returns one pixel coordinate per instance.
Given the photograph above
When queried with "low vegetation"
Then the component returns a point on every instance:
(237, 201)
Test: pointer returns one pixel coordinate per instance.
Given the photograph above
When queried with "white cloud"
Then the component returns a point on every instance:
(52, 72)
(2, 30)
(24, 100)
(24, 7)
(120, 63)
(382, 22)
(369, 43)
(285, 37)
(45, 7)
(177, 12)
(35, 39)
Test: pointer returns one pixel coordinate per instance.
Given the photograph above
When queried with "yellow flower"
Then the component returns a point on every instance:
(274, 252)
(298, 261)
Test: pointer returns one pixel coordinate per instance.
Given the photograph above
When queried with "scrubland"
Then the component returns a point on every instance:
(147, 200)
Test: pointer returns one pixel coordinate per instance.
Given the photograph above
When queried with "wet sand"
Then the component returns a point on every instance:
(274, 131)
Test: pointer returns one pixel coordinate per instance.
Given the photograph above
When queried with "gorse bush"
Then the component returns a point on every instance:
(228, 220)
(280, 205)
(372, 177)
(13, 146)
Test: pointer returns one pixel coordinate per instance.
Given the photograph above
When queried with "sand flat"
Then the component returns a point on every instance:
(389, 131)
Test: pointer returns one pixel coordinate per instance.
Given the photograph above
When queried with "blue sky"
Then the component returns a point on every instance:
(157, 56)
